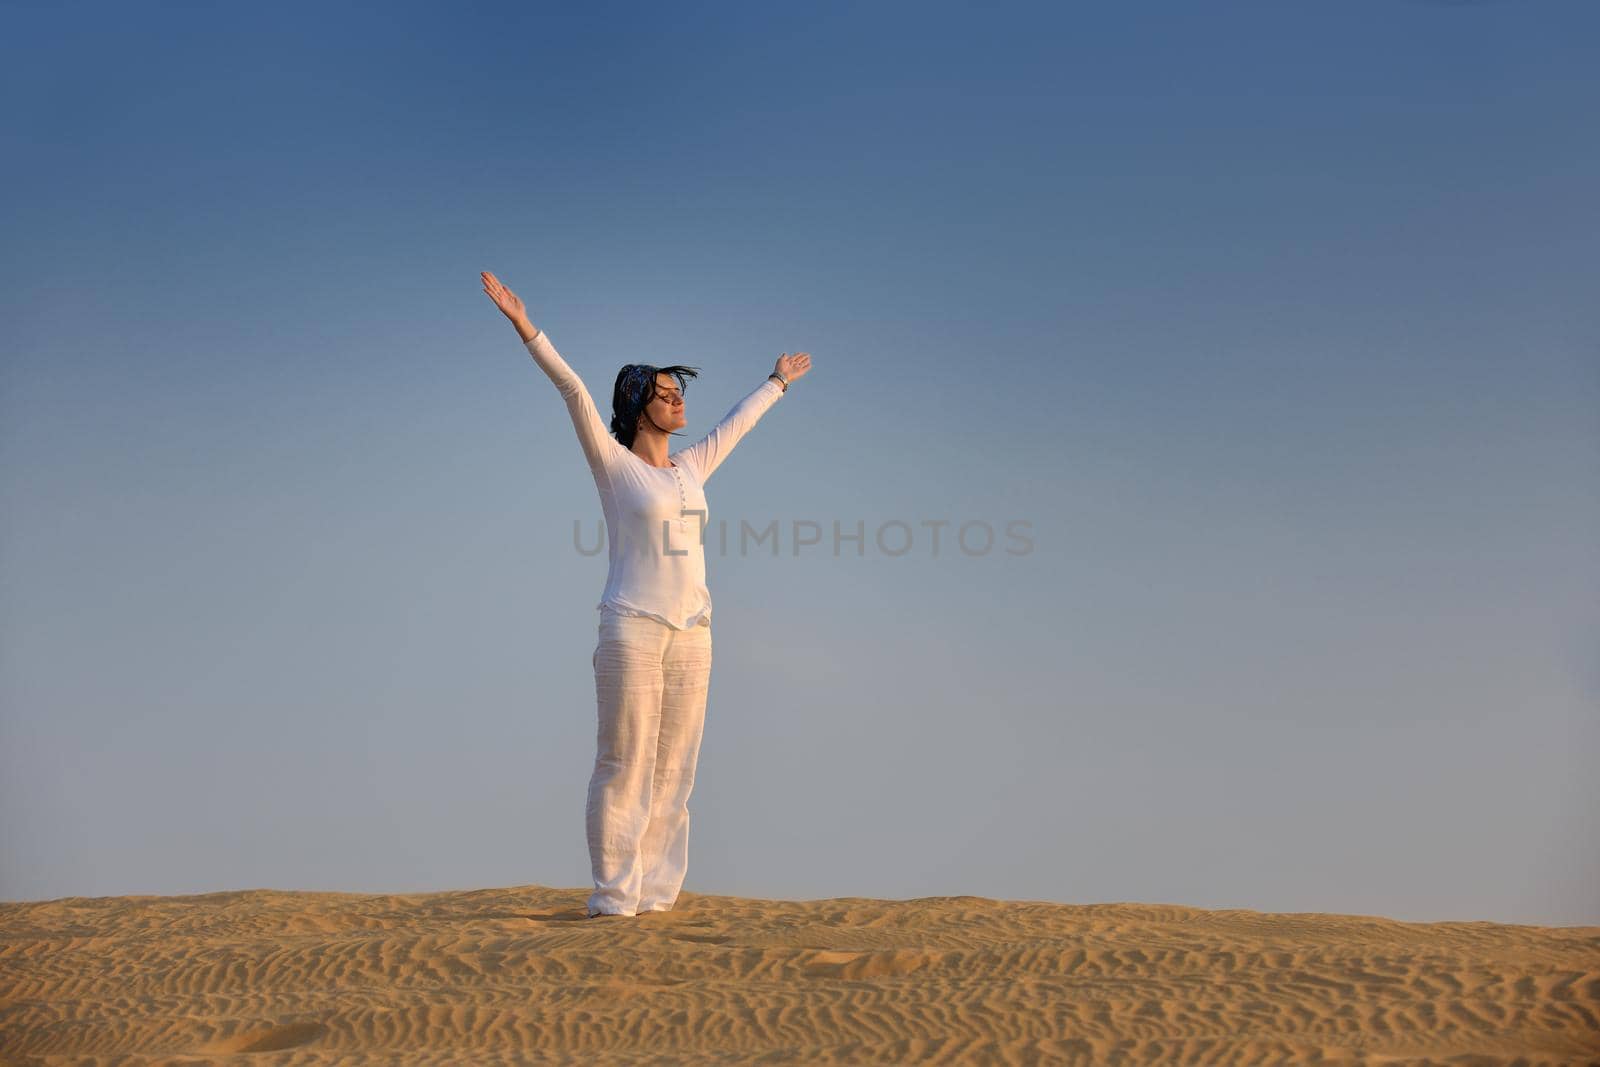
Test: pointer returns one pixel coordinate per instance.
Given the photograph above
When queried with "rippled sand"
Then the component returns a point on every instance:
(520, 975)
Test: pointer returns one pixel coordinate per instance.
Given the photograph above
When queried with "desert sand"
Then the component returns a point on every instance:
(522, 976)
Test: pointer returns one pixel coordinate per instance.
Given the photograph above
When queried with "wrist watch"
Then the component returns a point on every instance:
(781, 380)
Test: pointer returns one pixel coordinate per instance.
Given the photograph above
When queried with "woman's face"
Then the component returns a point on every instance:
(668, 413)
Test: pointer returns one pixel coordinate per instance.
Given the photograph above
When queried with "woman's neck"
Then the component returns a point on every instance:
(652, 448)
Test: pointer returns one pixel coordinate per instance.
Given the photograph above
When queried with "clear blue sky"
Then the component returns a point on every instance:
(1274, 322)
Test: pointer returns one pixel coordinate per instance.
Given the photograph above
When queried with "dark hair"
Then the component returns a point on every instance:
(635, 388)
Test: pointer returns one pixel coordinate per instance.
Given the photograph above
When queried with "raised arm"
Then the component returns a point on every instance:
(593, 435)
(599, 447)
(707, 454)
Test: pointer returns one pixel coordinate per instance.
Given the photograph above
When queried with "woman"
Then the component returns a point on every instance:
(652, 663)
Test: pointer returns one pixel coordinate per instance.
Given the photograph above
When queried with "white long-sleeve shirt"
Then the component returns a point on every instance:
(655, 516)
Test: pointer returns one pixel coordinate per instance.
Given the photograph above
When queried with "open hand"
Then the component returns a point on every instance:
(795, 366)
(507, 301)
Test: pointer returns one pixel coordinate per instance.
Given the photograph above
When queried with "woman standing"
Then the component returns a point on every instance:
(652, 662)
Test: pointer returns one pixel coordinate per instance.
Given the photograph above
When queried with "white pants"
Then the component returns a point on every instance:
(650, 684)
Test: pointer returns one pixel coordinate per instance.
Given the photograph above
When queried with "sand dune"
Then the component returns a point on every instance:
(520, 975)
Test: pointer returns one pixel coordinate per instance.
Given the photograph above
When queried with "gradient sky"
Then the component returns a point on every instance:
(1273, 321)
